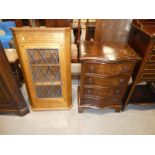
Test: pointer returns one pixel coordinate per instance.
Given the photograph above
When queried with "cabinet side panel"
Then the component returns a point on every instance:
(68, 66)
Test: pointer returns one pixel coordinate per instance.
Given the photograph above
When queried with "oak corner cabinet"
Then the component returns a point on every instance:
(11, 98)
(44, 54)
(106, 71)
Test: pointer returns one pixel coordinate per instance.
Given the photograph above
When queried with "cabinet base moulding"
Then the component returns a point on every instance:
(21, 112)
(51, 108)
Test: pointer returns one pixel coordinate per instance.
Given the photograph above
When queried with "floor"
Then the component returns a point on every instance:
(135, 120)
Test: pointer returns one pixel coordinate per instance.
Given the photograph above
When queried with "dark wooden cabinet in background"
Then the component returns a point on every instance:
(58, 22)
(142, 40)
(105, 73)
(11, 98)
(53, 22)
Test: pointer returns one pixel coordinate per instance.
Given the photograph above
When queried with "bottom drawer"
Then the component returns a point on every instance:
(149, 67)
(98, 102)
(148, 76)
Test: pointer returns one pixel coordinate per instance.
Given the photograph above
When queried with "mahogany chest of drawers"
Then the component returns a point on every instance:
(106, 71)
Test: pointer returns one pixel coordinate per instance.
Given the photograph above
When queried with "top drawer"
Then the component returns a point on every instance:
(109, 69)
(40, 37)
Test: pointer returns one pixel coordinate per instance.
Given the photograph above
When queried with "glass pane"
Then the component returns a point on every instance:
(45, 69)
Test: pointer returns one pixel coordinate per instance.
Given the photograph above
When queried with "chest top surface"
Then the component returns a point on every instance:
(108, 52)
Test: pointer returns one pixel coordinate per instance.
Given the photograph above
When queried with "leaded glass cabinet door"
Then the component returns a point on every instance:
(45, 60)
(44, 64)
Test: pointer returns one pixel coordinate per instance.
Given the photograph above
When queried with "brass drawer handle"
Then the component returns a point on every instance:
(121, 80)
(117, 91)
(90, 80)
(23, 39)
(91, 68)
(114, 100)
(89, 91)
(126, 68)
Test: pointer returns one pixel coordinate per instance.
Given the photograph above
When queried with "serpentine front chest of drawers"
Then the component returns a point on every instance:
(106, 71)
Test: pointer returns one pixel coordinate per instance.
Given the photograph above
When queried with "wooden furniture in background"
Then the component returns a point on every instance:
(142, 40)
(54, 22)
(115, 30)
(11, 98)
(39, 22)
(58, 22)
(44, 54)
(21, 22)
(106, 70)
(15, 65)
(90, 30)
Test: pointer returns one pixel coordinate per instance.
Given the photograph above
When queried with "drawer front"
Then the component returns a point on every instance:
(103, 92)
(100, 102)
(106, 81)
(41, 37)
(148, 76)
(149, 67)
(152, 58)
(109, 69)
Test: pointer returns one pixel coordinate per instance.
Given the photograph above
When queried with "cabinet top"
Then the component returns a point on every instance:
(29, 29)
(145, 26)
(106, 52)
